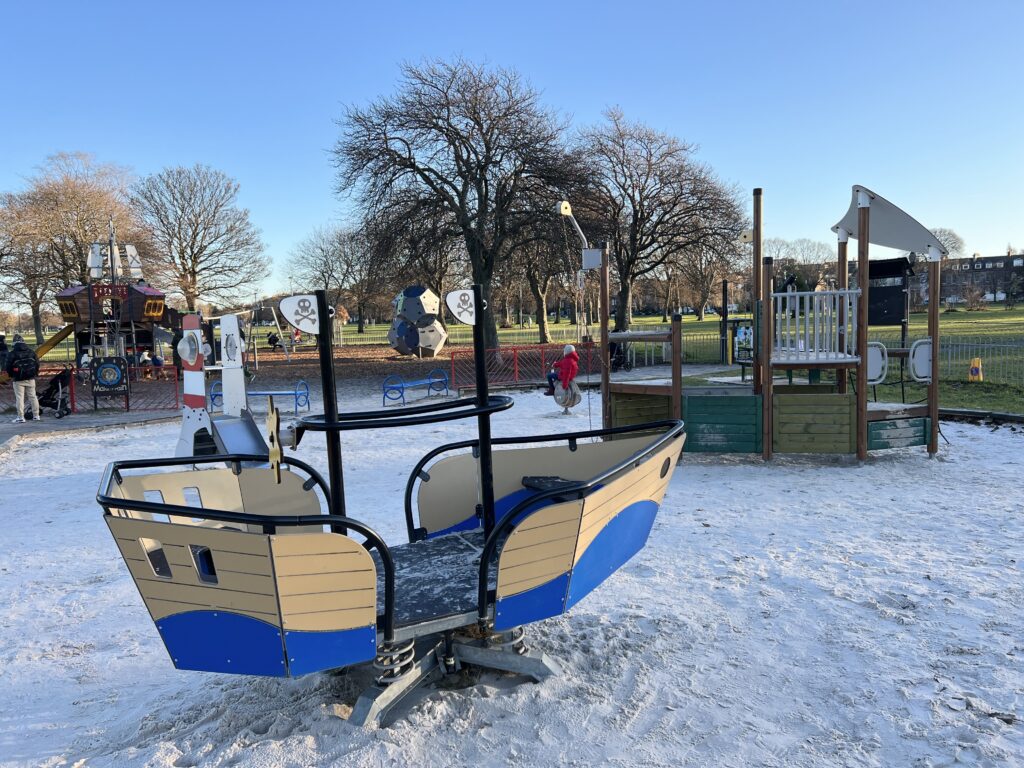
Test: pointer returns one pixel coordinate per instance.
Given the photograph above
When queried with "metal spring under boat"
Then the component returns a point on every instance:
(511, 639)
(394, 661)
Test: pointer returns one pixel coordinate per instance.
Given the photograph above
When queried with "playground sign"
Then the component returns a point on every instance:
(300, 312)
(744, 345)
(592, 258)
(107, 291)
(461, 305)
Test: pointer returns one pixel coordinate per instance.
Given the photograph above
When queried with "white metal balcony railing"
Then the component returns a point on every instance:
(815, 326)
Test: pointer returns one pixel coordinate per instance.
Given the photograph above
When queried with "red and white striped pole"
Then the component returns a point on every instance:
(194, 416)
(193, 378)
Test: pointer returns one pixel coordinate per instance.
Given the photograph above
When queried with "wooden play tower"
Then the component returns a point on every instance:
(814, 331)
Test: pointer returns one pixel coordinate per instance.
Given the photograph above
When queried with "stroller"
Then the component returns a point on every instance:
(618, 353)
(57, 395)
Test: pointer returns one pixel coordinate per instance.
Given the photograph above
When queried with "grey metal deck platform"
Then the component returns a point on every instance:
(434, 578)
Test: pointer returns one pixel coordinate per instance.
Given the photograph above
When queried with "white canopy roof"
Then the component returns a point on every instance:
(889, 226)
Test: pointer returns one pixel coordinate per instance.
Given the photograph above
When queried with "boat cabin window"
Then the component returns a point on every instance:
(202, 558)
(157, 558)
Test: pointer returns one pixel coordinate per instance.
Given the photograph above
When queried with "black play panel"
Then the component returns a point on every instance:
(887, 299)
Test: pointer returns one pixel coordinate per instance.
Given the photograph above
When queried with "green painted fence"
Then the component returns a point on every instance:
(898, 433)
(722, 423)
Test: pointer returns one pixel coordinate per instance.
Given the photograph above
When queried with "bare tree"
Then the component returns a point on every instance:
(26, 278)
(950, 240)
(205, 246)
(652, 200)
(809, 262)
(318, 262)
(475, 139)
(68, 206)
(1013, 286)
(418, 241)
(364, 272)
(702, 268)
(974, 298)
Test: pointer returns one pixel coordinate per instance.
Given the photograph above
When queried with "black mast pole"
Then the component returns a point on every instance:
(484, 419)
(334, 466)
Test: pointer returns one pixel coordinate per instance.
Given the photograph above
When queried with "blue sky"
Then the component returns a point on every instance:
(921, 101)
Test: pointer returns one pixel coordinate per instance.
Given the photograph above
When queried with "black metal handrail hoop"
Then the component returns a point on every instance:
(269, 524)
(579, 490)
(431, 416)
(570, 437)
(387, 413)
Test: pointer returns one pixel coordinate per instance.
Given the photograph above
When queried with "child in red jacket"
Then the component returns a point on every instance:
(564, 370)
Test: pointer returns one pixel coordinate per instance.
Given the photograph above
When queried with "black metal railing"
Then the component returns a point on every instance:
(385, 419)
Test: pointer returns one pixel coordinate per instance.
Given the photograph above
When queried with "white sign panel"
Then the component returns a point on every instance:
(460, 303)
(300, 312)
(591, 258)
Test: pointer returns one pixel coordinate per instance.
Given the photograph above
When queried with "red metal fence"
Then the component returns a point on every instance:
(518, 365)
(152, 389)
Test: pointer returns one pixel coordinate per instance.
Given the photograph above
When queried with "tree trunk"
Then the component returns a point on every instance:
(705, 297)
(623, 313)
(558, 311)
(361, 309)
(37, 323)
(540, 300)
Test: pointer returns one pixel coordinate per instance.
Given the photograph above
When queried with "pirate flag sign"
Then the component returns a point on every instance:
(300, 312)
(460, 303)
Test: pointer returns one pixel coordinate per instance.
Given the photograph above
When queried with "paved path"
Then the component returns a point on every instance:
(11, 433)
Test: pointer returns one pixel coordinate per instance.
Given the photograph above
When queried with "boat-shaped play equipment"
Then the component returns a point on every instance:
(249, 564)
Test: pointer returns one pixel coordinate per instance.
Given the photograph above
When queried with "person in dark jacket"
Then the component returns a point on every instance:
(23, 367)
(3, 351)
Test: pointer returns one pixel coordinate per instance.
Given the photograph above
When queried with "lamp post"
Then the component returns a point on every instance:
(564, 209)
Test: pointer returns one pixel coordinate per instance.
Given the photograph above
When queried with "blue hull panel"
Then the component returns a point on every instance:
(317, 651)
(219, 641)
(535, 604)
(622, 537)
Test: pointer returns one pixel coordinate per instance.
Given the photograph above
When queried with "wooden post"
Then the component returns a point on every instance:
(757, 290)
(767, 325)
(606, 363)
(676, 410)
(842, 283)
(723, 325)
(863, 245)
(934, 293)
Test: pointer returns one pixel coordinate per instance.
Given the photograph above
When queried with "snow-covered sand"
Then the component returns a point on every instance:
(800, 613)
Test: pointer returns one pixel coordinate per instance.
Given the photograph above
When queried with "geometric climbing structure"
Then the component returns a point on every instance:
(416, 329)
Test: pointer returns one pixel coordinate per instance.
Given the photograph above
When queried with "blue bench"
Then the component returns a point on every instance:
(300, 394)
(395, 386)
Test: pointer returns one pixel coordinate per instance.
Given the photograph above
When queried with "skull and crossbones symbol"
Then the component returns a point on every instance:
(305, 311)
(465, 305)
